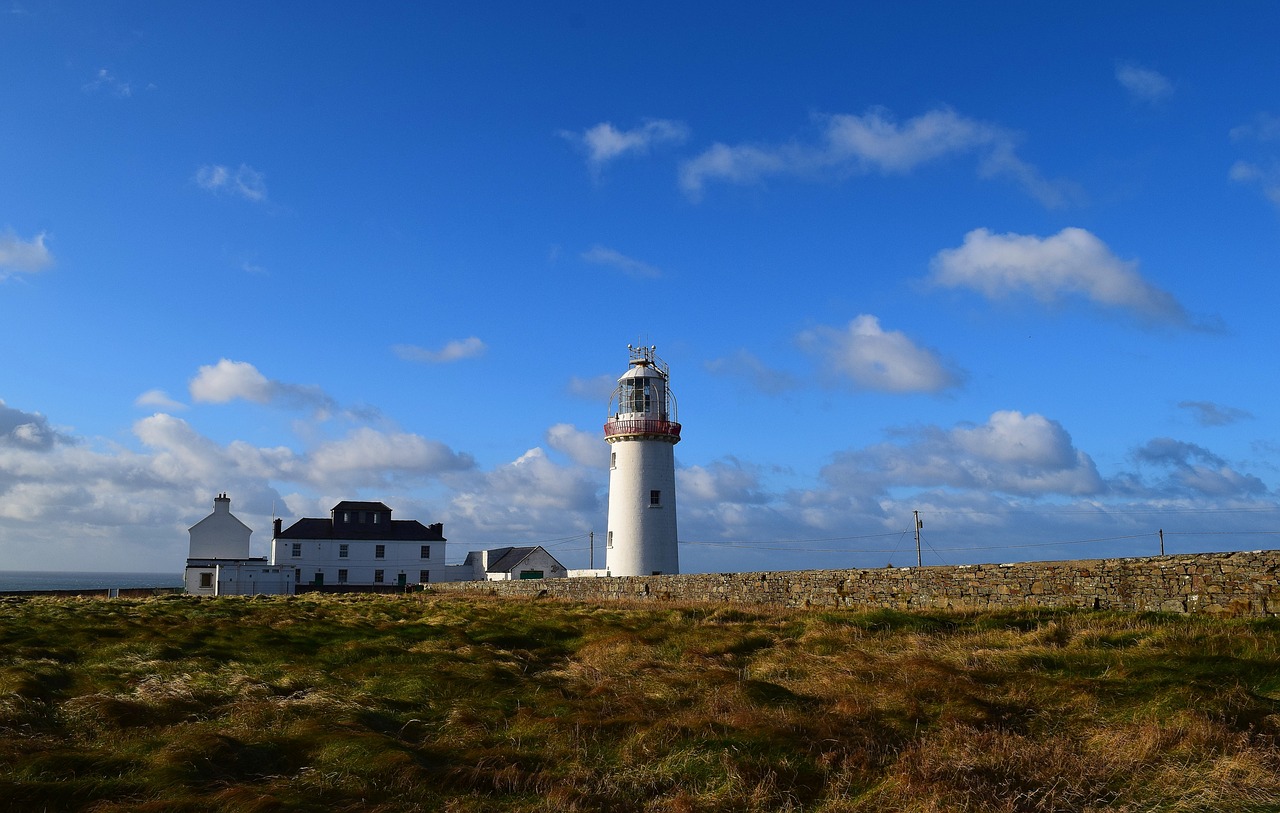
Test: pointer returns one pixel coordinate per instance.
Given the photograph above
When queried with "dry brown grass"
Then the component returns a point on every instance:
(423, 703)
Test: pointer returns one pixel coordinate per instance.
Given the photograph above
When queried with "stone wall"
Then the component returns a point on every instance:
(1239, 584)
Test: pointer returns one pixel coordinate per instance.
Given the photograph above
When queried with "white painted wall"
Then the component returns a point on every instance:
(220, 535)
(641, 539)
(538, 560)
(254, 577)
(361, 563)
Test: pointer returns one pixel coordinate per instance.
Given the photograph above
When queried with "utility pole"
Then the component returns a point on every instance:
(591, 540)
(919, 525)
(1162, 541)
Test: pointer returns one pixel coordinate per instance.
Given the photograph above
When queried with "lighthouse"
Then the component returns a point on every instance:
(642, 432)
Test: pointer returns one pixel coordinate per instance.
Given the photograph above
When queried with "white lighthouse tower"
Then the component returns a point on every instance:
(642, 432)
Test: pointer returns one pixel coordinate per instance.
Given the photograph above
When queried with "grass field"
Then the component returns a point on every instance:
(387, 703)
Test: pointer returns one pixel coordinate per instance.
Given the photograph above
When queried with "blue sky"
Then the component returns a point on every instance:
(1010, 266)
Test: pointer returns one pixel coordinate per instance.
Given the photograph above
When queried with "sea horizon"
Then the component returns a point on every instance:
(23, 580)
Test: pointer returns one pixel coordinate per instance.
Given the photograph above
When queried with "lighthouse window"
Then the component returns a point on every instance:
(613, 460)
(655, 499)
(610, 540)
(635, 396)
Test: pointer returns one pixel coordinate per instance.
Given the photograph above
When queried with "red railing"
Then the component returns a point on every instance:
(641, 426)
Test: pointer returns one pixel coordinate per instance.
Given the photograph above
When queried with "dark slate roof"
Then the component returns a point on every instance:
(398, 530)
(354, 505)
(507, 559)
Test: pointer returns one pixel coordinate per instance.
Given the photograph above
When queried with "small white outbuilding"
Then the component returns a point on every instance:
(218, 560)
(504, 564)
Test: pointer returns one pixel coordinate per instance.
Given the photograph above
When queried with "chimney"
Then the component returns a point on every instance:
(222, 504)
(276, 529)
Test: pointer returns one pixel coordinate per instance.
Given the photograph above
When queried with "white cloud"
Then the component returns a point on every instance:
(158, 398)
(604, 142)
(584, 448)
(228, 380)
(26, 430)
(1071, 262)
(18, 255)
(1264, 127)
(1207, 413)
(245, 181)
(720, 482)
(1011, 453)
(875, 359)
(875, 142)
(456, 350)
(1262, 168)
(1196, 471)
(529, 495)
(1143, 84)
(372, 456)
(600, 255)
(106, 81)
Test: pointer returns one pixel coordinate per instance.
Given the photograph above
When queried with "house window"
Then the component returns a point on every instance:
(342, 551)
(655, 499)
(426, 552)
(377, 577)
(424, 576)
(610, 540)
(342, 576)
(206, 580)
(379, 551)
(296, 550)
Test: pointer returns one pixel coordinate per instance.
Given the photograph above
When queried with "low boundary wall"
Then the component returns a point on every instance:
(1237, 584)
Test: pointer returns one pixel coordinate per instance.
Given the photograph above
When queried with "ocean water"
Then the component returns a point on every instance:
(11, 580)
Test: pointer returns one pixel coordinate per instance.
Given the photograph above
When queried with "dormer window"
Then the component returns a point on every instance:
(346, 516)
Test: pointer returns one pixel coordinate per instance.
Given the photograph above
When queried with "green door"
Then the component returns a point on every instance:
(319, 580)
(400, 580)
(531, 574)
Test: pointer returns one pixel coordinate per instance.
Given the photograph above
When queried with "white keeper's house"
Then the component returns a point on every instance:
(360, 544)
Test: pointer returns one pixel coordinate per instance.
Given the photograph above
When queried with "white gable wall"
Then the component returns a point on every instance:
(220, 535)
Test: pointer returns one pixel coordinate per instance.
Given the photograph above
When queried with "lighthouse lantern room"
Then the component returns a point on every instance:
(642, 432)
